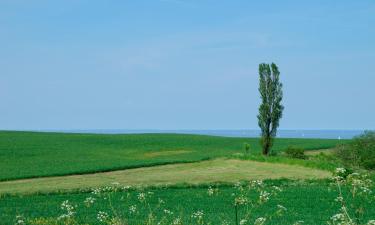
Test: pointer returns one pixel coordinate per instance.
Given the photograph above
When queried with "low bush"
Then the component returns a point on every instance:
(247, 148)
(295, 152)
(359, 153)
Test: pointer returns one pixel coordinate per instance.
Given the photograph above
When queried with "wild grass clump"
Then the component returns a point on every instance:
(247, 148)
(353, 206)
(360, 153)
(295, 152)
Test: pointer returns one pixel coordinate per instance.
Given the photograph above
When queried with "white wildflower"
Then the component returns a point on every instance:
(280, 209)
(243, 222)
(177, 221)
(339, 199)
(125, 188)
(142, 197)
(96, 191)
(224, 222)
(133, 209)
(168, 212)
(89, 201)
(69, 210)
(161, 201)
(277, 189)
(198, 215)
(260, 221)
(340, 171)
(210, 191)
(256, 184)
(102, 216)
(338, 217)
(241, 200)
(264, 196)
(20, 220)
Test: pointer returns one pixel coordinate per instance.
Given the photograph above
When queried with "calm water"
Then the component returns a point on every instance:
(327, 134)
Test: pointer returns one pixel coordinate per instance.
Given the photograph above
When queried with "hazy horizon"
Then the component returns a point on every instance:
(282, 133)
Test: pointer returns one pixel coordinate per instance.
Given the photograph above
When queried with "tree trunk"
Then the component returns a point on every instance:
(266, 145)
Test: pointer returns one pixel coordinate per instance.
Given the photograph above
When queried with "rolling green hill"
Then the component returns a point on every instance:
(33, 154)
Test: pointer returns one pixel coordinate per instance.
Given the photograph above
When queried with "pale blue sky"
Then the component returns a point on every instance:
(184, 64)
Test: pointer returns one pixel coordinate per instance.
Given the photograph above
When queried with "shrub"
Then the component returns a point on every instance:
(295, 152)
(247, 148)
(360, 152)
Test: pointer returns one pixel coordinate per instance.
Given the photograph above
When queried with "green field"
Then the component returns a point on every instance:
(41, 170)
(311, 202)
(28, 154)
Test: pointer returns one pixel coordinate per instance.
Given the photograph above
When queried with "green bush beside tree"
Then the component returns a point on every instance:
(360, 153)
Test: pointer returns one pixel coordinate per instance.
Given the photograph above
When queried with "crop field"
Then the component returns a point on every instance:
(58, 178)
(28, 154)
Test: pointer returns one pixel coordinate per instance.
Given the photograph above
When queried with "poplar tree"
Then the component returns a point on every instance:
(271, 109)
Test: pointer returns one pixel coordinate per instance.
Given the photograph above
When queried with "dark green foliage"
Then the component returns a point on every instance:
(29, 154)
(360, 153)
(247, 148)
(295, 152)
(312, 202)
(270, 110)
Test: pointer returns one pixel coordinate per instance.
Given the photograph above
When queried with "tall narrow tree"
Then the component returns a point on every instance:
(271, 109)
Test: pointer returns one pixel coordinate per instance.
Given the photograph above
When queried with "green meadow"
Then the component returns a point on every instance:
(29, 155)
(167, 179)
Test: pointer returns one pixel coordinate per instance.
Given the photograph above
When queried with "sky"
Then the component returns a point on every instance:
(184, 64)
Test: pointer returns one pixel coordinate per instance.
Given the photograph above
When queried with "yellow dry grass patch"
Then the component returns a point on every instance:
(219, 170)
(165, 153)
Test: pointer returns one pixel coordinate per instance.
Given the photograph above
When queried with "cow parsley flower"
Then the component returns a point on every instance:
(243, 222)
(89, 201)
(168, 212)
(260, 221)
(102, 216)
(210, 191)
(142, 197)
(197, 215)
(177, 221)
(69, 210)
(264, 196)
(133, 209)
(20, 220)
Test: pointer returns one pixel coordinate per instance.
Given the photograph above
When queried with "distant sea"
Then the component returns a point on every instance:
(326, 134)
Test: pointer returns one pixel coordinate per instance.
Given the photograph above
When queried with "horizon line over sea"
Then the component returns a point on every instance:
(282, 133)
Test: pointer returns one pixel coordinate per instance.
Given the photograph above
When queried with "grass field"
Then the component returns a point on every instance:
(41, 170)
(31, 154)
(218, 170)
(311, 202)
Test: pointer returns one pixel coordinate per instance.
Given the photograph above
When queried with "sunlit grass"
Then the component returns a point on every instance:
(219, 170)
(28, 154)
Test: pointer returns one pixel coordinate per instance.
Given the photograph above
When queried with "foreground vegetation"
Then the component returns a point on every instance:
(269, 202)
(359, 153)
(30, 154)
